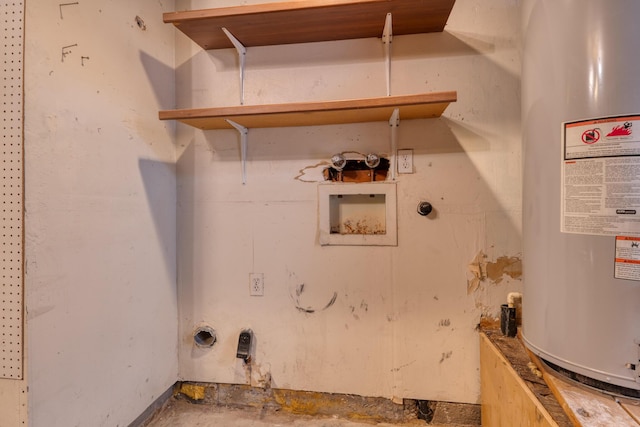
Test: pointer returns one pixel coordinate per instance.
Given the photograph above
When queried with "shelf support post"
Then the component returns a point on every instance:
(242, 54)
(394, 122)
(387, 36)
(243, 131)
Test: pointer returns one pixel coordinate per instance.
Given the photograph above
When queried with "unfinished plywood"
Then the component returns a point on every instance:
(309, 21)
(632, 407)
(506, 399)
(11, 195)
(426, 105)
(588, 407)
(592, 408)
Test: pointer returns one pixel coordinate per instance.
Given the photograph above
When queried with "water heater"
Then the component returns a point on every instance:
(581, 223)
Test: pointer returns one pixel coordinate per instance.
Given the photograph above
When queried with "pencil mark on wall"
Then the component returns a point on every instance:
(331, 301)
(66, 50)
(403, 366)
(296, 300)
(363, 307)
(296, 296)
(445, 356)
(67, 4)
(82, 58)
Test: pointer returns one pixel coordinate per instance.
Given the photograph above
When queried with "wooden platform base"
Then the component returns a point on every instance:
(519, 390)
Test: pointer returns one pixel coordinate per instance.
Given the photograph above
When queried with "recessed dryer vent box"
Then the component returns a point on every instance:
(358, 214)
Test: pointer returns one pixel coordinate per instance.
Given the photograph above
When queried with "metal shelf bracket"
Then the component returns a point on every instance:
(242, 54)
(394, 122)
(243, 131)
(387, 37)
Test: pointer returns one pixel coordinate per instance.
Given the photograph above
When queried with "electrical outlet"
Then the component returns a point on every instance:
(256, 283)
(405, 161)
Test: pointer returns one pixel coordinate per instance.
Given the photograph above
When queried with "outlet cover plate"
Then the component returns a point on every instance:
(256, 283)
(405, 161)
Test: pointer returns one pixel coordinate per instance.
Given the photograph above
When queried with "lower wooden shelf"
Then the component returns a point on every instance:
(418, 106)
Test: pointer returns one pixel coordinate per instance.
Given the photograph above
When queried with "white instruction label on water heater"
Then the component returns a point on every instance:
(627, 258)
(601, 176)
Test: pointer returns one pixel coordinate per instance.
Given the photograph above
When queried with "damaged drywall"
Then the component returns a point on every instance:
(510, 266)
(481, 270)
(312, 173)
(355, 169)
(489, 282)
(320, 336)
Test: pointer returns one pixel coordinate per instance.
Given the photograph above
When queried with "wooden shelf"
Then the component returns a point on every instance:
(315, 113)
(309, 21)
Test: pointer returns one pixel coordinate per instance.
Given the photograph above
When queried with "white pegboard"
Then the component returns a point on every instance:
(11, 192)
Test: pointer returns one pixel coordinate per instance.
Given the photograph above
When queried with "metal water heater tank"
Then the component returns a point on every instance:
(581, 224)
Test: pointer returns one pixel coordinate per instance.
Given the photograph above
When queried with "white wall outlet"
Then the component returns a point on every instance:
(256, 283)
(405, 161)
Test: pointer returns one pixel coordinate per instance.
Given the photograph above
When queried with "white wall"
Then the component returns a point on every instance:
(100, 202)
(404, 321)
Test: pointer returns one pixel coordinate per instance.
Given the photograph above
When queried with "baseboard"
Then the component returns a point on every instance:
(154, 408)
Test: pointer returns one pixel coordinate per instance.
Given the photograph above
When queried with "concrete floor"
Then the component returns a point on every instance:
(180, 413)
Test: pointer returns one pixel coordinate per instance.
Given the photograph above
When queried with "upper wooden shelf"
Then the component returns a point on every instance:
(315, 113)
(309, 21)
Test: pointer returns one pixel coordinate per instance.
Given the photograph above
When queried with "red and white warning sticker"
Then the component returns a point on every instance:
(627, 264)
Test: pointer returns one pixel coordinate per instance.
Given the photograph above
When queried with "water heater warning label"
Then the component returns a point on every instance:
(601, 176)
(627, 258)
